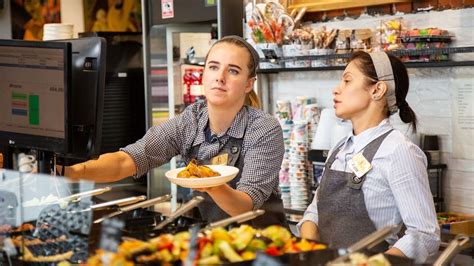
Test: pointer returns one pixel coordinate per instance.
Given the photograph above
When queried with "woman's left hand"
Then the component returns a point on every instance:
(225, 197)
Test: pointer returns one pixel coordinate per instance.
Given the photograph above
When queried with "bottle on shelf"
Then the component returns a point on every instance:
(193, 89)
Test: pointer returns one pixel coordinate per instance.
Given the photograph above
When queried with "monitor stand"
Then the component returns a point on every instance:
(44, 159)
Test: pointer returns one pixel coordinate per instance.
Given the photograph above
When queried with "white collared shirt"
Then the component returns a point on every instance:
(396, 190)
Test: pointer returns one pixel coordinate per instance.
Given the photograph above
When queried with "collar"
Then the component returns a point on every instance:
(359, 142)
(236, 130)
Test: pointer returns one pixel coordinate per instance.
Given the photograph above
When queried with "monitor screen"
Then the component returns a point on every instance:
(33, 94)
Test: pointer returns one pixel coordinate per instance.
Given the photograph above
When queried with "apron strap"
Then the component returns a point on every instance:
(371, 149)
(332, 157)
(369, 152)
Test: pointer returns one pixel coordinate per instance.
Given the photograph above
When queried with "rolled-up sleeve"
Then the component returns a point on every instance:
(160, 143)
(262, 160)
(311, 213)
(410, 187)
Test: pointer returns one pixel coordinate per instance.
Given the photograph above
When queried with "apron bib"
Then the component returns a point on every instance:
(209, 210)
(343, 216)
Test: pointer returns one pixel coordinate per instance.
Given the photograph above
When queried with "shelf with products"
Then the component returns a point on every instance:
(316, 6)
(279, 63)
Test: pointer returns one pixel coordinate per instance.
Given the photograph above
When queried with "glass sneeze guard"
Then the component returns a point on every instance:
(44, 218)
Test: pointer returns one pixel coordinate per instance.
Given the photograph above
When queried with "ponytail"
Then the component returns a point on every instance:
(407, 115)
(402, 83)
(253, 100)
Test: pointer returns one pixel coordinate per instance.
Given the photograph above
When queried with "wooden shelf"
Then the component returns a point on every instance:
(326, 5)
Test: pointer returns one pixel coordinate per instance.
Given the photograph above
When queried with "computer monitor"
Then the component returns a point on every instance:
(86, 106)
(34, 94)
(51, 96)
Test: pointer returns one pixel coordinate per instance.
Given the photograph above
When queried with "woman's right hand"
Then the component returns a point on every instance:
(309, 230)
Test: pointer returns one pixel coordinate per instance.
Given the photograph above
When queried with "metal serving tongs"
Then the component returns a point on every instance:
(368, 242)
(454, 247)
(183, 209)
(118, 202)
(235, 219)
(90, 193)
(143, 204)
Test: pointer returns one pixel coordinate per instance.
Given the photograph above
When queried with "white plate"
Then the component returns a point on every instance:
(227, 173)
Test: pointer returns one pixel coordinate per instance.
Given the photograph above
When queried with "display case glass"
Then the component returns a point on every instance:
(49, 219)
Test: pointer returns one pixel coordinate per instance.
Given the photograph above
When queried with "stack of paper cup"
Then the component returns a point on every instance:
(283, 111)
(311, 115)
(57, 31)
(301, 103)
(285, 116)
(298, 166)
(284, 176)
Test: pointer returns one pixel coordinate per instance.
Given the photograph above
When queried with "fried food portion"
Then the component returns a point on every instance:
(193, 170)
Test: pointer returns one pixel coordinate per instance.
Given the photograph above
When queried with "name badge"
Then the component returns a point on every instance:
(359, 165)
(220, 159)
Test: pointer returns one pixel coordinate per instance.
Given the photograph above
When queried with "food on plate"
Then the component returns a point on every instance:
(193, 170)
(213, 246)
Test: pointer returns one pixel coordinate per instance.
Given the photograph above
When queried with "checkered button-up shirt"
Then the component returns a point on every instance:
(260, 158)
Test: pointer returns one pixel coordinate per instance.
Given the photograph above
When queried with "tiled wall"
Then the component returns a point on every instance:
(430, 95)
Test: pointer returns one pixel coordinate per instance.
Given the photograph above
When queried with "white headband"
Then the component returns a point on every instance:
(384, 71)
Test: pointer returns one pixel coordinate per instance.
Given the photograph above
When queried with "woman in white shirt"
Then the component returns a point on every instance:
(376, 176)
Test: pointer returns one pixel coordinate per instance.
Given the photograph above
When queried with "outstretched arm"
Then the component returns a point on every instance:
(108, 167)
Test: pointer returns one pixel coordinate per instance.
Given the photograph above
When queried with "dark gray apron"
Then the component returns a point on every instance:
(343, 216)
(209, 210)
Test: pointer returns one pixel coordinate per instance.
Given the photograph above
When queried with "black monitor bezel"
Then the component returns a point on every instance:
(43, 143)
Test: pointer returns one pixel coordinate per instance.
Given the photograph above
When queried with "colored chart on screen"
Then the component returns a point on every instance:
(32, 91)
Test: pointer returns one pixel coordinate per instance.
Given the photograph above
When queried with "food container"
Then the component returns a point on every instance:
(293, 50)
(321, 62)
(297, 63)
(269, 50)
(140, 224)
(456, 223)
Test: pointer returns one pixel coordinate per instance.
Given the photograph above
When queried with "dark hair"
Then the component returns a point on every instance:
(252, 98)
(402, 83)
